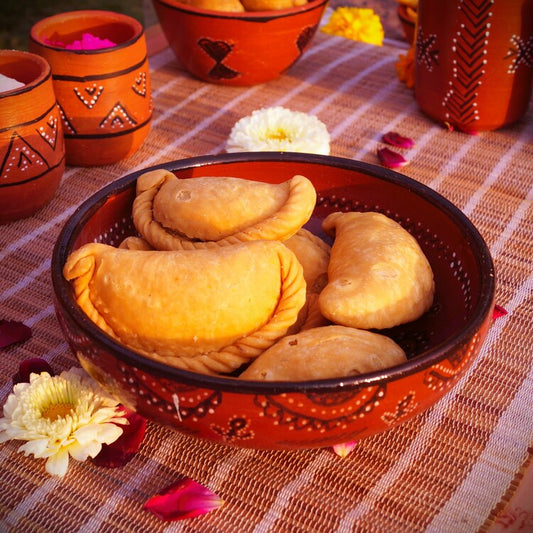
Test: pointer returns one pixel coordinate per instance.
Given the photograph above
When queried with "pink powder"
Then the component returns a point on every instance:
(87, 42)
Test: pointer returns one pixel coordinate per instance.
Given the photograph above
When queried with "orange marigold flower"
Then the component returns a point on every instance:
(405, 67)
(358, 24)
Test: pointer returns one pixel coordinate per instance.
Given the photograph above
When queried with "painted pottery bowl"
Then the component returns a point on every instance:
(104, 94)
(440, 345)
(32, 150)
(238, 48)
(407, 19)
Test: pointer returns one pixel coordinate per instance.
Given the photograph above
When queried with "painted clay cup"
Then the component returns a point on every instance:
(32, 149)
(104, 94)
(474, 61)
(240, 49)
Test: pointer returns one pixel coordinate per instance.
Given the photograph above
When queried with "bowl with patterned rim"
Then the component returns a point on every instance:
(238, 48)
(440, 345)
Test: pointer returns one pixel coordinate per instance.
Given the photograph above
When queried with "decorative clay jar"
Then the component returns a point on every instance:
(32, 149)
(474, 61)
(104, 94)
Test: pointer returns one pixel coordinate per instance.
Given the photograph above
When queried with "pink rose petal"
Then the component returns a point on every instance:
(12, 331)
(342, 450)
(183, 499)
(395, 139)
(391, 159)
(498, 312)
(121, 451)
(35, 365)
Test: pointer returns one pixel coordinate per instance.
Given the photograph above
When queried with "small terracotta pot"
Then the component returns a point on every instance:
(104, 94)
(240, 49)
(32, 150)
(474, 61)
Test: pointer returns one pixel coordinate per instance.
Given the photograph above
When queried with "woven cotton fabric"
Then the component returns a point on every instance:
(452, 469)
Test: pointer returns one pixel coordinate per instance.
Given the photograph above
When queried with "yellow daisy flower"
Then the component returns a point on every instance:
(358, 24)
(61, 416)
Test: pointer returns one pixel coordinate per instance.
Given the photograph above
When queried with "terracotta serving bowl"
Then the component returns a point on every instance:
(104, 94)
(407, 21)
(32, 149)
(441, 345)
(238, 48)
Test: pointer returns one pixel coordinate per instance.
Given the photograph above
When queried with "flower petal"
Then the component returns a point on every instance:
(391, 159)
(12, 331)
(34, 365)
(184, 499)
(395, 139)
(498, 312)
(342, 450)
(80, 452)
(57, 464)
(126, 446)
(35, 447)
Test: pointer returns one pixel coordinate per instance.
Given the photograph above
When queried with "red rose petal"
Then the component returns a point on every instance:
(12, 331)
(498, 312)
(395, 139)
(183, 499)
(121, 451)
(35, 365)
(342, 450)
(391, 159)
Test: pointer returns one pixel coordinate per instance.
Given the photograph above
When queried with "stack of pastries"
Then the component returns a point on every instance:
(224, 279)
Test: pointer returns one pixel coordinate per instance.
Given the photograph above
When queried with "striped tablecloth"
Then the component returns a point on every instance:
(454, 468)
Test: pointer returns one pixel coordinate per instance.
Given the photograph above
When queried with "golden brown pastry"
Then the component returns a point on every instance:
(175, 214)
(313, 253)
(271, 5)
(135, 243)
(204, 310)
(378, 276)
(325, 352)
(216, 5)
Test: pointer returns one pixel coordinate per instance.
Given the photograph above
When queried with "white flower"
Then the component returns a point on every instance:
(277, 129)
(61, 416)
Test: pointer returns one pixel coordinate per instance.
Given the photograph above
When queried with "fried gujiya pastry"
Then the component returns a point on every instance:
(271, 5)
(216, 5)
(180, 214)
(208, 311)
(325, 352)
(378, 276)
(313, 254)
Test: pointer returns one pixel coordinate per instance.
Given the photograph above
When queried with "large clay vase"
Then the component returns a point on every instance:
(104, 94)
(32, 150)
(474, 61)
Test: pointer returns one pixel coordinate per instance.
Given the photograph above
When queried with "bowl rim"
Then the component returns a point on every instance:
(44, 74)
(252, 16)
(402, 14)
(112, 16)
(64, 297)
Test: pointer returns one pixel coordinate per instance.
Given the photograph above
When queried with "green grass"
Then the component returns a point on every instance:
(18, 16)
